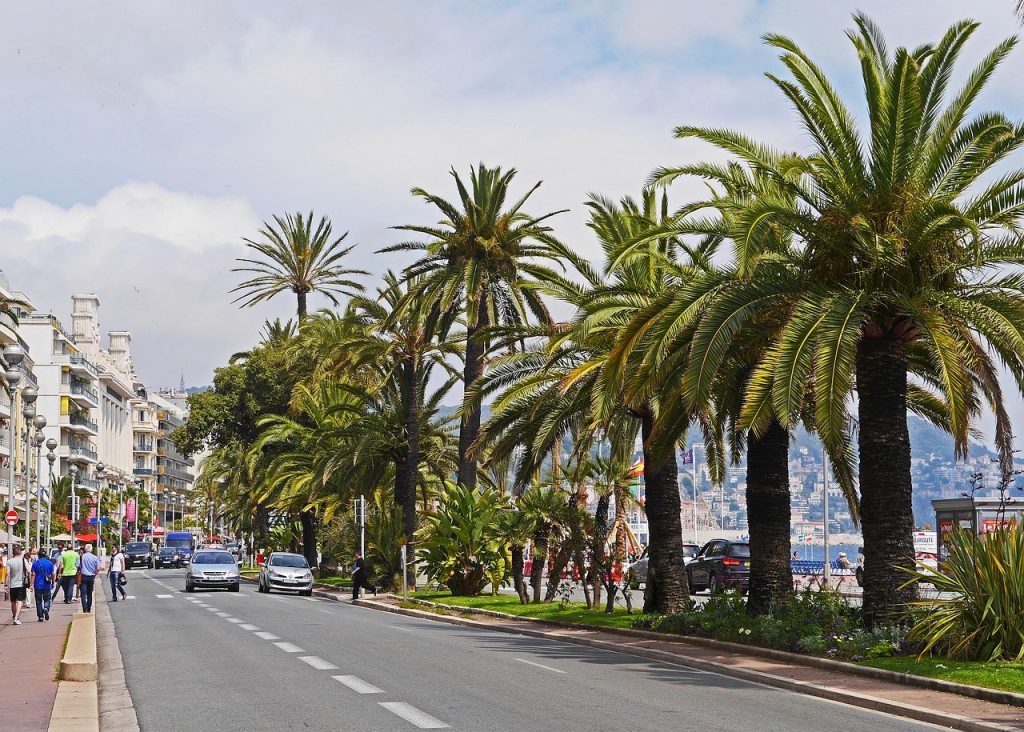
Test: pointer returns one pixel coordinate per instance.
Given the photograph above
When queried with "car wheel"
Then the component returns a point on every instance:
(234, 588)
(713, 585)
(149, 564)
(306, 593)
(189, 587)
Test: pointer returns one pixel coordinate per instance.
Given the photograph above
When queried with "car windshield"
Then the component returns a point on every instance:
(690, 550)
(137, 547)
(739, 550)
(288, 560)
(213, 558)
(167, 551)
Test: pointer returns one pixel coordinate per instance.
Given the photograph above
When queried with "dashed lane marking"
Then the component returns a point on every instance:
(357, 685)
(248, 626)
(267, 636)
(411, 714)
(540, 665)
(223, 615)
(318, 663)
(399, 627)
(289, 647)
(233, 620)
(165, 597)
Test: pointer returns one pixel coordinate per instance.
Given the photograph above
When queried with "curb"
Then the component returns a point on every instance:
(79, 661)
(954, 721)
(996, 696)
(76, 706)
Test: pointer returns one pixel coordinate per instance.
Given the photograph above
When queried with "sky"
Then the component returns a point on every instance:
(140, 142)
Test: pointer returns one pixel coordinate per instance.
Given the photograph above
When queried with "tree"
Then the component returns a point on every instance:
(479, 261)
(903, 240)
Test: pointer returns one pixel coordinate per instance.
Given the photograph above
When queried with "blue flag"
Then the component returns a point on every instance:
(687, 457)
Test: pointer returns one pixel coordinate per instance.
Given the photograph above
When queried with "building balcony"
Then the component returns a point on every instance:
(82, 453)
(142, 471)
(87, 483)
(81, 366)
(147, 427)
(142, 447)
(84, 396)
(80, 425)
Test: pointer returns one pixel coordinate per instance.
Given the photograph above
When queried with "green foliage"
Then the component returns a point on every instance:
(461, 544)
(980, 613)
(819, 623)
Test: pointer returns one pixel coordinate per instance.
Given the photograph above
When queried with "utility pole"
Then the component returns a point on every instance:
(824, 463)
(694, 450)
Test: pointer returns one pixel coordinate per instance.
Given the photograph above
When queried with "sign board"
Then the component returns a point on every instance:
(11, 517)
(990, 525)
(926, 542)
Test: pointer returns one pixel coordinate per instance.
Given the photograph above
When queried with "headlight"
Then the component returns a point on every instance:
(274, 574)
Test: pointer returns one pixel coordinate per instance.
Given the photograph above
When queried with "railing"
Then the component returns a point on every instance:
(81, 421)
(85, 391)
(83, 450)
(87, 483)
(29, 377)
(80, 360)
(143, 447)
(142, 471)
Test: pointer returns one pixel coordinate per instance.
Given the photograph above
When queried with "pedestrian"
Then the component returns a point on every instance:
(44, 574)
(17, 582)
(843, 561)
(3, 571)
(88, 565)
(68, 570)
(114, 572)
(796, 555)
(359, 577)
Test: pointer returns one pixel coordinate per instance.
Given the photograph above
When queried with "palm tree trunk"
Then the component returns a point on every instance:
(540, 558)
(669, 591)
(407, 470)
(886, 487)
(517, 573)
(768, 514)
(598, 550)
(469, 429)
(306, 517)
(301, 305)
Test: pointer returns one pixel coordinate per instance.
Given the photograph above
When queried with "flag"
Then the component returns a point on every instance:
(637, 468)
(687, 457)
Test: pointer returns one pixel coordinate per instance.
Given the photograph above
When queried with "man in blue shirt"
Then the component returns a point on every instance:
(88, 565)
(43, 576)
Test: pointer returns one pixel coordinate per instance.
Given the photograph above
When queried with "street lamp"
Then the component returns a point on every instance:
(51, 457)
(13, 355)
(38, 439)
(28, 397)
(73, 470)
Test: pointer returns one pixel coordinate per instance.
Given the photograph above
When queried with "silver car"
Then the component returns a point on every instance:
(212, 568)
(285, 571)
(637, 571)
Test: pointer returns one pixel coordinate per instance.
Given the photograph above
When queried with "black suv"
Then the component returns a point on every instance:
(138, 554)
(720, 563)
(168, 557)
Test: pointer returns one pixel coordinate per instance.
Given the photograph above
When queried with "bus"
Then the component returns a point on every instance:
(183, 542)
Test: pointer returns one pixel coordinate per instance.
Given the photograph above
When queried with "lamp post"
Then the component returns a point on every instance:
(13, 355)
(51, 458)
(73, 470)
(38, 439)
(824, 477)
(28, 411)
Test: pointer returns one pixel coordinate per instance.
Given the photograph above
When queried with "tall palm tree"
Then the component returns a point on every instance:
(480, 261)
(902, 258)
(292, 255)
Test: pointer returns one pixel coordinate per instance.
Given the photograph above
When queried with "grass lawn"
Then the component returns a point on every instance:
(335, 581)
(574, 612)
(1005, 676)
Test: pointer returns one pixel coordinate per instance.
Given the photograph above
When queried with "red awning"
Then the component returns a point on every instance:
(85, 537)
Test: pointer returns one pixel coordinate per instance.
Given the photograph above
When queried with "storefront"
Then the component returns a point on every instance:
(977, 515)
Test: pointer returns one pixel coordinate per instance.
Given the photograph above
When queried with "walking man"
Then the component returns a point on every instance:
(88, 565)
(359, 577)
(68, 569)
(114, 571)
(44, 574)
(17, 582)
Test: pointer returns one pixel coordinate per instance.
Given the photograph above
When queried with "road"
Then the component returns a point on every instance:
(246, 661)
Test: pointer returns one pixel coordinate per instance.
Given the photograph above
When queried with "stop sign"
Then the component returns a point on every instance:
(11, 517)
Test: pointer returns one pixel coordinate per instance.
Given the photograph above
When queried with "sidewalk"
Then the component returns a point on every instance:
(29, 655)
(938, 707)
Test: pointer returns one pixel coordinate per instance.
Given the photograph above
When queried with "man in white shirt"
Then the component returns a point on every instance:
(17, 583)
(114, 571)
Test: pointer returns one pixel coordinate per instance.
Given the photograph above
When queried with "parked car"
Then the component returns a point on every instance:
(212, 568)
(285, 571)
(138, 554)
(720, 563)
(637, 571)
(167, 556)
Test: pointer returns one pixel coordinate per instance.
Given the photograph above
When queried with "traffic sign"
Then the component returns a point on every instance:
(104, 520)
(11, 517)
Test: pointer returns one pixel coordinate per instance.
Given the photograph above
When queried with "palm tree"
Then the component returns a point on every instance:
(293, 256)
(900, 272)
(479, 261)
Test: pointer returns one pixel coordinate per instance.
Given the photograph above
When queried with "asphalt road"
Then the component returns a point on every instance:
(245, 661)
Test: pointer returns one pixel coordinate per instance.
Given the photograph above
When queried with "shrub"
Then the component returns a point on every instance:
(981, 616)
(460, 544)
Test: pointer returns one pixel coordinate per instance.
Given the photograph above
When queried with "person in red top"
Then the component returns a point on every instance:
(259, 557)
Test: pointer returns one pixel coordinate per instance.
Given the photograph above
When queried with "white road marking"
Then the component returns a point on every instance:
(248, 626)
(399, 627)
(223, 615)
(411, 714)
(357, 685)
(540, 665)
(212, 609)
(233, 620)
(267, 636)
(312, 599)
(325, 612)
(289, 647)
(318, 663)
(165, 597)
(132, 597)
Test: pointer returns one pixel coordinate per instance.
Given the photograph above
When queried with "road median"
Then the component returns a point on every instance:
(836, 683)
(76, 707)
